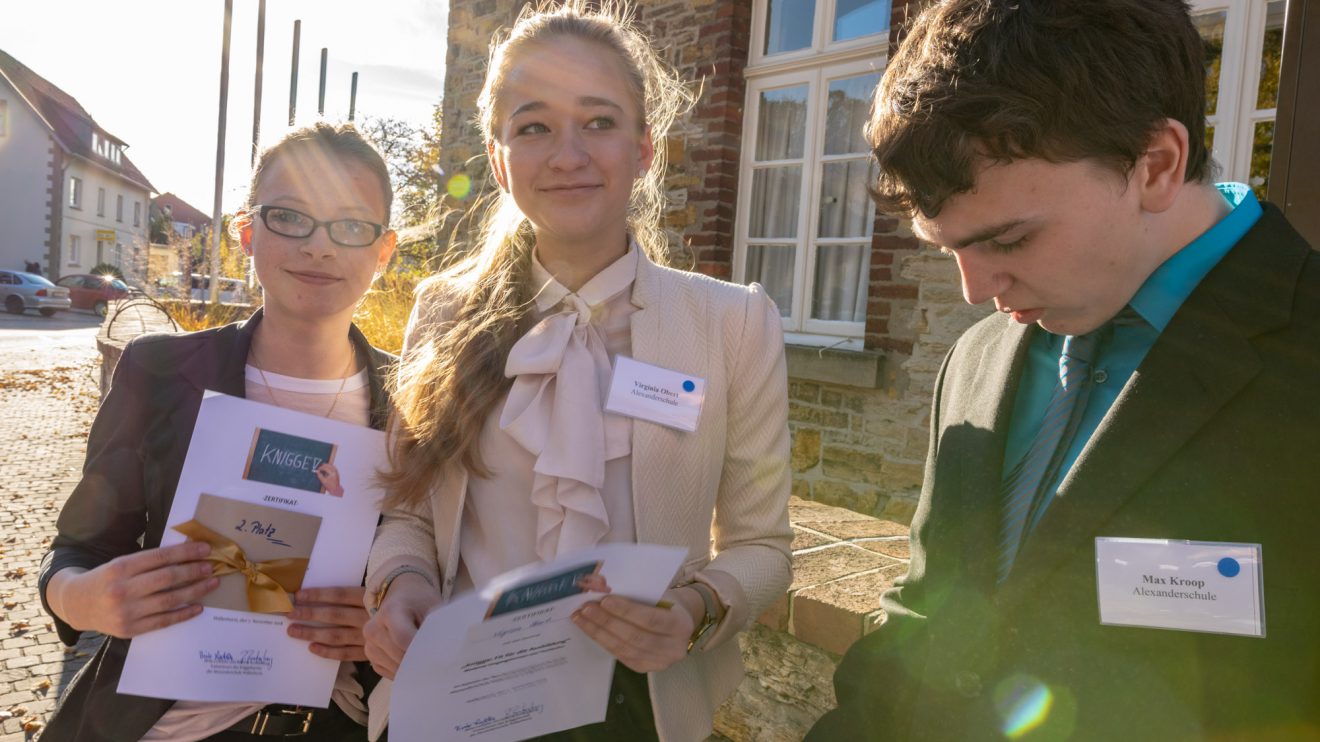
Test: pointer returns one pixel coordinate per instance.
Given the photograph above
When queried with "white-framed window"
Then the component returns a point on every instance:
(106, 148)
(1244, 44)
(119, 208)
(75, 192)
(787, 31)
(100, 202)
(804, 218)
(75, 249)
(137, 213)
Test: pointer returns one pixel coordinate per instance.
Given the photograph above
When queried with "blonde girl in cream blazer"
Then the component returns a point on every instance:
(573, 103)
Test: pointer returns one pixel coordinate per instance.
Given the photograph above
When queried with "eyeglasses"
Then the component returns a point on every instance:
(288, 222)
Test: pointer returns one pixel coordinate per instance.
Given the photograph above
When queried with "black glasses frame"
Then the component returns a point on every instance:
(263, 210)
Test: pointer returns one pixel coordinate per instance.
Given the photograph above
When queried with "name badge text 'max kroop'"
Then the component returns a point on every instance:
(655, 394)
(1186, 585)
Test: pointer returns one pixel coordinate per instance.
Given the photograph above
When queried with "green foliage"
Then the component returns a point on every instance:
(413, 157)
(195, 315)
(383, 313)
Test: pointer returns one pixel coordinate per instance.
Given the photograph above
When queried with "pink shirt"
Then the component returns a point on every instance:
(561, 467)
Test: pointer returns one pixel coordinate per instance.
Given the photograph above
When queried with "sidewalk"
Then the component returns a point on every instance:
(47, 412)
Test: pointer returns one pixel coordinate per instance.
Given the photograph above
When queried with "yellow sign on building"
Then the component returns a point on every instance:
(105, 235)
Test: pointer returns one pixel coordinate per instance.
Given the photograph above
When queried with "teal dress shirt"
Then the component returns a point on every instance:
(1155, 302)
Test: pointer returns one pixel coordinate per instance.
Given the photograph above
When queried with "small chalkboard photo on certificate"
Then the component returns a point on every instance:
(585, 578)
(293, 461)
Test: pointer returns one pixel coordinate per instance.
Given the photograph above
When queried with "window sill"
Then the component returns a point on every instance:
(844, 367)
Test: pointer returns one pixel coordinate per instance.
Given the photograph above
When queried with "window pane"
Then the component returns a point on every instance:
(1262, 145)
(776, 194)
(1267, 96)
(1211, 28)
(848, 108)
(788, 25)
(839, 291)
(845, 205)
(854, 18)
(1210, 138)
(781, 128)
(772, 267)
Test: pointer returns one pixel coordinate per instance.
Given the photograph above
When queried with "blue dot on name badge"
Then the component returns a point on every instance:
(1229, 567)
(688, 386)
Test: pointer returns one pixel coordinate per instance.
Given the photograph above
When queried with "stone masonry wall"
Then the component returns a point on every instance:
(865, 448)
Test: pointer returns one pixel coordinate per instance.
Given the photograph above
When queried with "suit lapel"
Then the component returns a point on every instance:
(986, 413)
(217, 365)
(648, 340)
(1199, 363)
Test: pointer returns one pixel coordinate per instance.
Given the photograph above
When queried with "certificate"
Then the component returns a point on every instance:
(506, 662)
(287, 501)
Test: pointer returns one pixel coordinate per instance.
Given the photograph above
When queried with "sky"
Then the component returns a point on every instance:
(148, 71)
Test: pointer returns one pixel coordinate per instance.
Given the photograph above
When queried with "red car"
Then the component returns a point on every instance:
(93, 292)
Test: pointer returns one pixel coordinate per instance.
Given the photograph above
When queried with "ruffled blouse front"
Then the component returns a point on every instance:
(560, 464)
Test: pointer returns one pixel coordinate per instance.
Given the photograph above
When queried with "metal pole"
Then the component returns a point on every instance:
(217, 221)
(256, 86)
(293, 76)
(352, 98)
(320, 101)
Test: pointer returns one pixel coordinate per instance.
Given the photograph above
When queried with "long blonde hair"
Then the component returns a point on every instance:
(452, 374)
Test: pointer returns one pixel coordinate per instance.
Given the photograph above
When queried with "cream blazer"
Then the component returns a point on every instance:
(720, 492)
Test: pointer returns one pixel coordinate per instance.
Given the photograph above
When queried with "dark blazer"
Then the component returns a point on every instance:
(1216, 437)
(135, 454)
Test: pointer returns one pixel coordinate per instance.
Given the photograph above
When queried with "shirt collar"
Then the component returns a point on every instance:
(1169, 286)
(615, 278)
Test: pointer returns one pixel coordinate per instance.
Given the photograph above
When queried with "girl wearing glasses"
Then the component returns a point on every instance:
(506, 456)
(315, 226)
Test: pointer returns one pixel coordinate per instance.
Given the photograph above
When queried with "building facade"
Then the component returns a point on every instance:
(70, 198)
(767, 177)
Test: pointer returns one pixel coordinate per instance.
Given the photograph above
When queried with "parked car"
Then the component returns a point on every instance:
(94, 292)
(29, 291)
(232, 290)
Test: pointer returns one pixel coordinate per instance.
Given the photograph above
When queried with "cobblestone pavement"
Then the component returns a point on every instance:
(46, 407)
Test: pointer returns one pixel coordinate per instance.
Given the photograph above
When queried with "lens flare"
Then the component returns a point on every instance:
(459, 186)
(1024, 704)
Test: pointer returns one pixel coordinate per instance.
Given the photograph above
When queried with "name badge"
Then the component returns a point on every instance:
(655, 394)
(1187, 585)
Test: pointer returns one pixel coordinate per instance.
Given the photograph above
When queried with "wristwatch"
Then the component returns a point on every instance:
(374, 599)
(711, 618)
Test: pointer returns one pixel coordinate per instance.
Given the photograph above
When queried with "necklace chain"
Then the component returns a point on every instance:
(352, 356)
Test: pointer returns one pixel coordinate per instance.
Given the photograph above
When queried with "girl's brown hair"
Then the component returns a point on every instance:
(452, 374)
(340, 140)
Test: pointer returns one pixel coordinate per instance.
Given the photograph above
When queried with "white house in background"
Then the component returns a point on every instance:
(70, 198)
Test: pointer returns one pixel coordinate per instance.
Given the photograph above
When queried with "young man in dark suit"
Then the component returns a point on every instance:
(1144, 406)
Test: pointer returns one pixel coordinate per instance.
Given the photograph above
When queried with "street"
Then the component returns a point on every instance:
(29, 341)
(48, 396)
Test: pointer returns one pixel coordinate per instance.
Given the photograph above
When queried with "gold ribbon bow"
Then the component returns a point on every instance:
(268, 583)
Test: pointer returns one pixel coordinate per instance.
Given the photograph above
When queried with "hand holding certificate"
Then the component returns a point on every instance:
(286, 505)
(507, 662)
